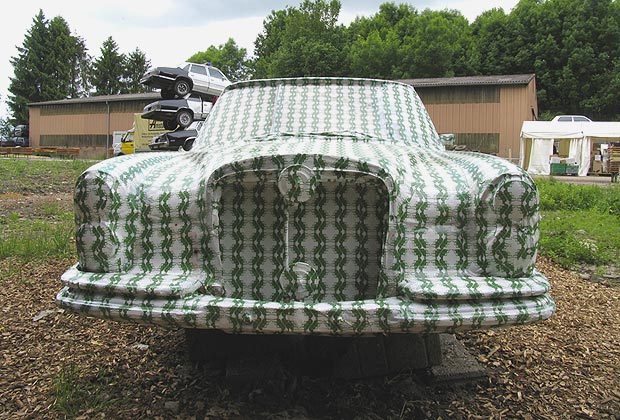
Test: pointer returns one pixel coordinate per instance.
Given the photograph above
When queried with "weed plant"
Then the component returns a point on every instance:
(560, 196)
(74, 391)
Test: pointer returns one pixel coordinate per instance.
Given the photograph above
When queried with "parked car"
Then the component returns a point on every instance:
(6, 142)
(179, 139)
(571, 118)
(21, 141)
(21, 130)
(178, 112)
(310, 206)
(201, 79)
(19, 137)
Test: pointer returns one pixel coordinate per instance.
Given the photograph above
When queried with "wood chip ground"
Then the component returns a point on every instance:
(54, 362)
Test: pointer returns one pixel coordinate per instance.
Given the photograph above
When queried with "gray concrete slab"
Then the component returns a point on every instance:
(457, 364)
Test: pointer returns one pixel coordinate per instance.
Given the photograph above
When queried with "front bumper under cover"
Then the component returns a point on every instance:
(458, 303)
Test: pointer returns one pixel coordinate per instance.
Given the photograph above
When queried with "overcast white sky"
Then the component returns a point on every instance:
(170, 31)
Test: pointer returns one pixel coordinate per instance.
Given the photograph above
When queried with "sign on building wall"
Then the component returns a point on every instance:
(145, 130)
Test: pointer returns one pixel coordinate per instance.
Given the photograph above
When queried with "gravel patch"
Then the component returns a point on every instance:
(56, 364)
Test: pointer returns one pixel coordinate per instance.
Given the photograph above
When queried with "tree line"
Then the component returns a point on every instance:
(52, 64)
(573, 47)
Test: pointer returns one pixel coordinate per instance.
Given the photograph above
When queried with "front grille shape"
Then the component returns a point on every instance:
(326, 246)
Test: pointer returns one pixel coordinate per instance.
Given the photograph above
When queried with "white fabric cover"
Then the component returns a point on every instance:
(580, 151)
(542, 149)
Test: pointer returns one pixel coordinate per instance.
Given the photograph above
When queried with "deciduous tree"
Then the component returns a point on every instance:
(375, 42)
(228, 57)
(304, 41)
(571, 45)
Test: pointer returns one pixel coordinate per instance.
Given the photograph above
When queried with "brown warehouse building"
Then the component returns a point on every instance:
(484, 113)
(87, 123)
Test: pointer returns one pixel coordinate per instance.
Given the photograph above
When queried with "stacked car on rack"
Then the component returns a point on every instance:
(188, 93)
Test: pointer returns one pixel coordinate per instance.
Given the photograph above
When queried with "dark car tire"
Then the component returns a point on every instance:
(170, 124)
(182, 87)
(167, 94)
(187, 146)
(185, 118)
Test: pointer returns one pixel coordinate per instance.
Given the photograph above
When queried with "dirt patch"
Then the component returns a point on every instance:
(43, 177)
(11, 196)
(607, 276)
(566, 367)
(35, 206)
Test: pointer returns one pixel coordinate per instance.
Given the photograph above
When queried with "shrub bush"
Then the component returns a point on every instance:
(556, 195)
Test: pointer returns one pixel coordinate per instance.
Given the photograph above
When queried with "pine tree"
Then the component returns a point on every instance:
(80, 67)
(61, 49)
(136, 64)
(29, 68)
(50, 64)
(108, 70)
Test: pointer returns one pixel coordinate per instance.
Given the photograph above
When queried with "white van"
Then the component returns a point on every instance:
(571, 118)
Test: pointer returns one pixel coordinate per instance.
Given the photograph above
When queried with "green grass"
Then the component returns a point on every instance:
(37, 238)
(75, 394)
(580, 223)
(33, 176)
(49, 209)
(556, 195)
(583, 236)
(46, 231)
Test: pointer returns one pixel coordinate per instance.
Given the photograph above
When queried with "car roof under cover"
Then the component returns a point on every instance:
(363, 108)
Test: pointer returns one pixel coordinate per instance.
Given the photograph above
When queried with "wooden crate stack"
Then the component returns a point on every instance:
(614, 162)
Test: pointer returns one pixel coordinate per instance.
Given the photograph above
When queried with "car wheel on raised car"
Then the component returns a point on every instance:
(170, 124)
(184, 118)
(182, 87)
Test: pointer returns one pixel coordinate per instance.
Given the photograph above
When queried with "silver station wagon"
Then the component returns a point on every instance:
(310, 206)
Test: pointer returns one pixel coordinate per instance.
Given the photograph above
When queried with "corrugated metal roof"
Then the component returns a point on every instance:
(103, 98)
(513, 79)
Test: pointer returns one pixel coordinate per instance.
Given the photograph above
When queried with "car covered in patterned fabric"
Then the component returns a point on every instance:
(310, 206)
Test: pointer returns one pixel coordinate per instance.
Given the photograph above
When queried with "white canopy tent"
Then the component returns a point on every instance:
(538, 137)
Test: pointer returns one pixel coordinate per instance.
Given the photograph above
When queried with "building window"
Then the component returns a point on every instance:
(459, 94)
